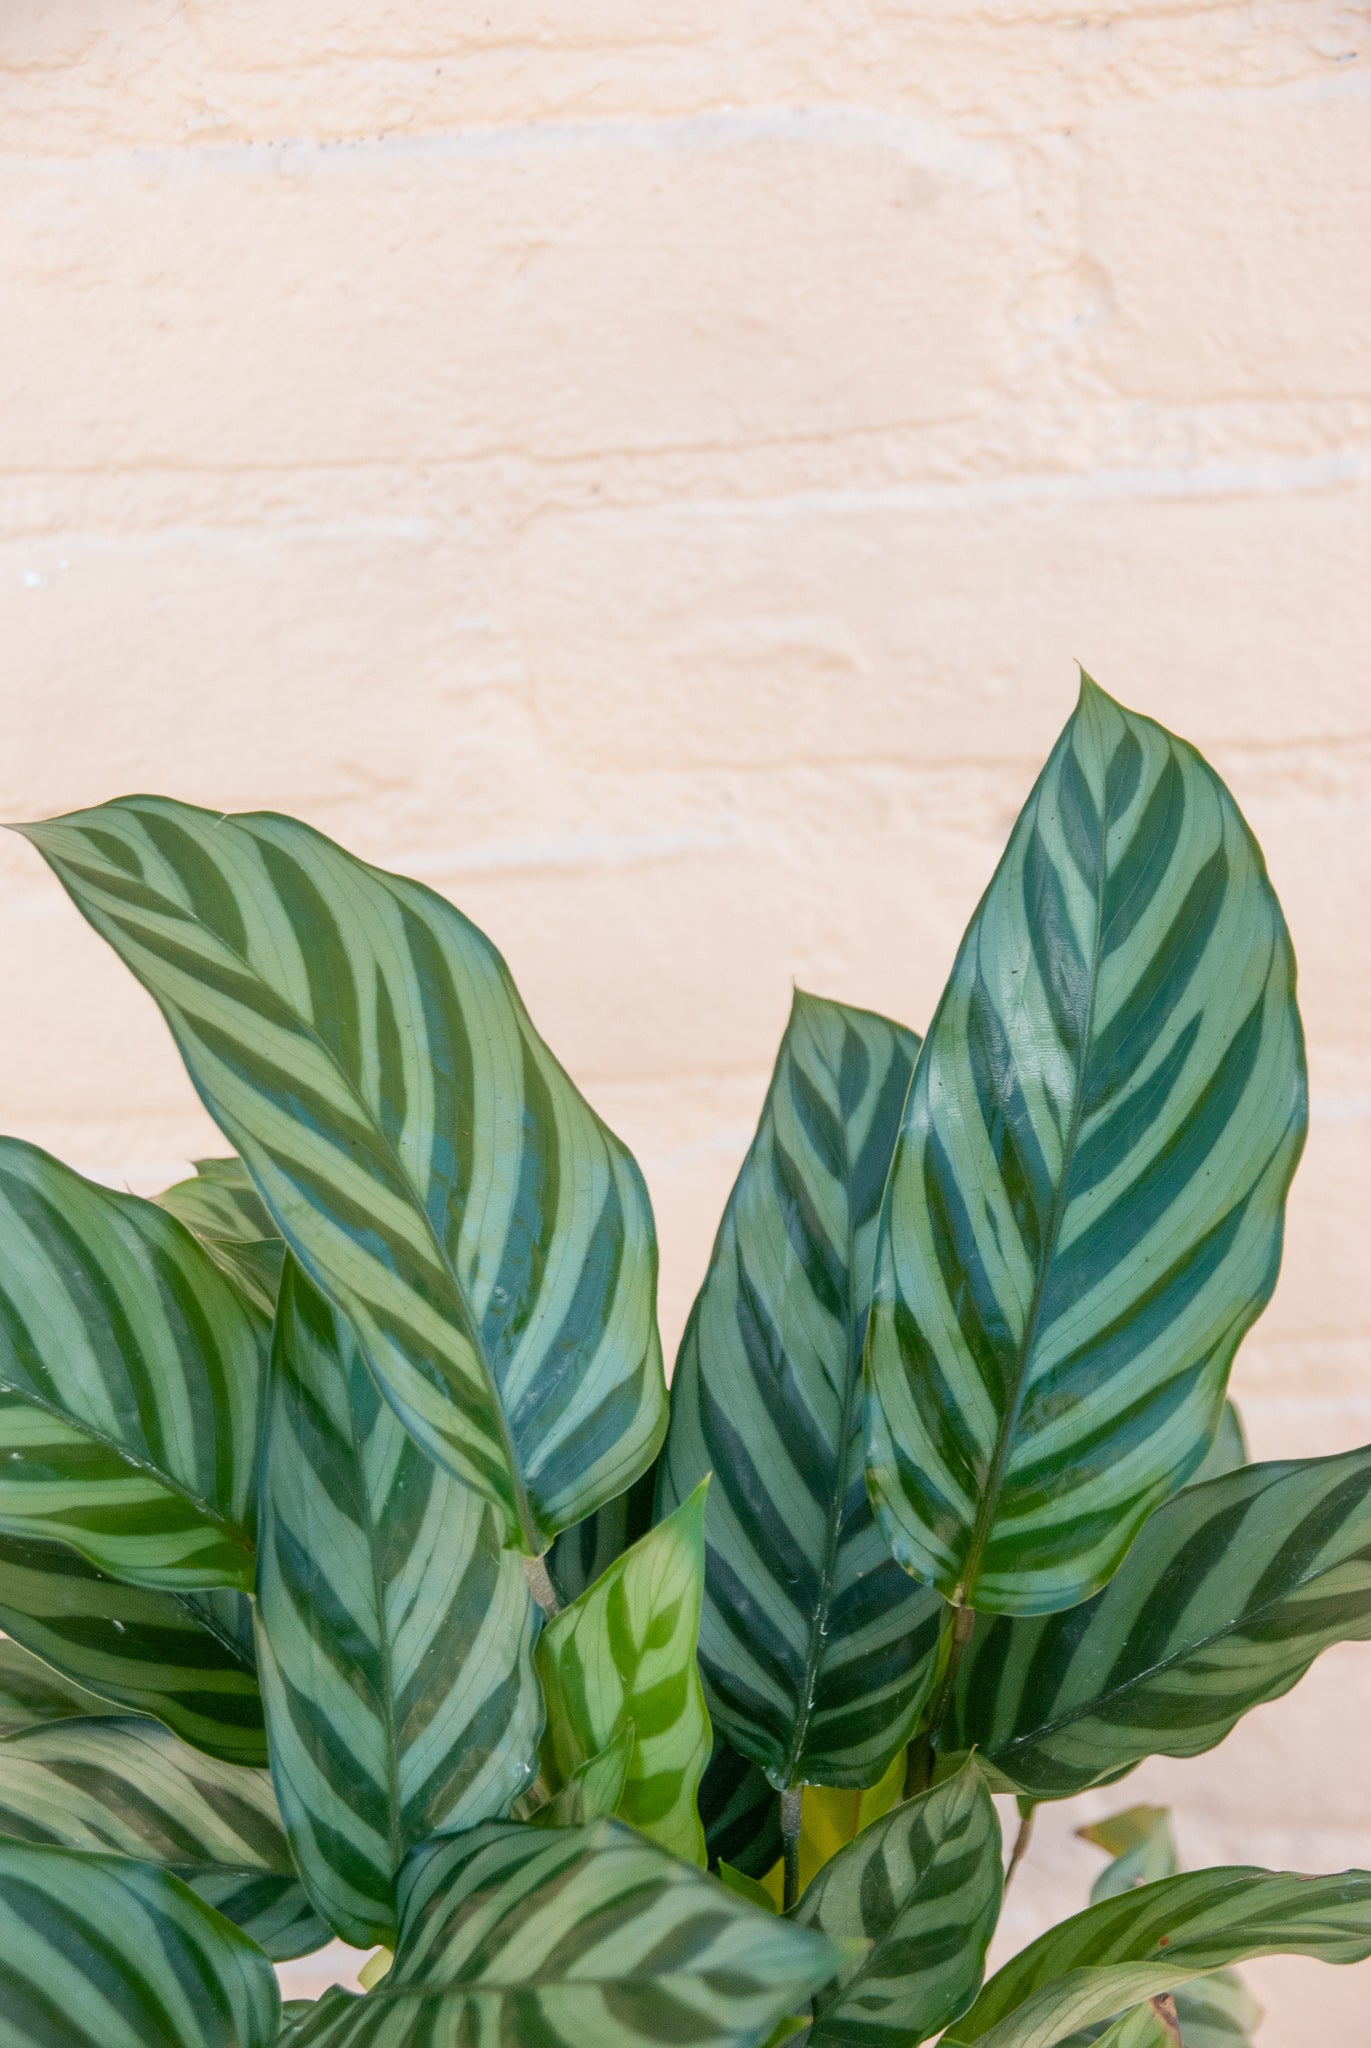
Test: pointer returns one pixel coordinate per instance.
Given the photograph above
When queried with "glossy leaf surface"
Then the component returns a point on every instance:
(1086, 1205)
(395, 1636)
(1225, 1599)
(423, 1154)
(224, 1210)
(923, 1886)
(131, 1788)
(624, 1653)
(576, 1938)
(98, 1952)
(186, 1658)
(33, 1693)
(129, 1381)
(817, 1650)
(1149, 1941)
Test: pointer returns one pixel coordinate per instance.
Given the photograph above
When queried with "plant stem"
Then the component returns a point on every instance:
(792, 1813)
(540, 1585)
(923, 1749)
(1027, 1815)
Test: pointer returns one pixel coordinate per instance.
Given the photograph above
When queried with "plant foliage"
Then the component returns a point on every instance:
(355, 1578)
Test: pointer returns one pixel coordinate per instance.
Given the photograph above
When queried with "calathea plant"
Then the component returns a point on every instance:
(356, 1575)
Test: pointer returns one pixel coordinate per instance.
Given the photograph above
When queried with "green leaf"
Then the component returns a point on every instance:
(817, 1651)
(923, 1885)
(741, 1811)
(32, 1692)
(1086, 1204)
(131, 1788)
(1272, 1563)
(583, 1553)
(1153, 2025)
(1228, 1451)
(746, 1887)
(129, 1376)
(294, 2013)
(625, 1652)
(224, 1210)
(395, 1636)
(422, 1153)
(98, 1952)
(186, 1658)
(1158, 1937)
(1141, 1846)
(595, 1788)
(576, 1938)
(1213, 2012)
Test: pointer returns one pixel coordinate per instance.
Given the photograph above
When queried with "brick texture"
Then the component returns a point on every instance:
(648, 471)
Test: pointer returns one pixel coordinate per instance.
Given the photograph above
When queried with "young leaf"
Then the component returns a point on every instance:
(395, 1636)
(625, 1652)
(224, 1210)
(131, 1788)
(422, 1153)
(741, 1811)
(817, 1650)
(99, 1952)
(923, 1885)
(186, 1658)
(129, 1376)
(595, 1788)
(1085, 1209)
(576, 1938)
(33, 1693)
(1158, 1937)
(1223, 1602)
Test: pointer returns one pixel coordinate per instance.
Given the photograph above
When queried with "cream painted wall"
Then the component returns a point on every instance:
(648, 470)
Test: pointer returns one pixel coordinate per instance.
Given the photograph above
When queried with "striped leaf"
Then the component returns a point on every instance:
(421, 1151)
(1228, 1450)
(98, 1952)
(395, 1636)
(131, 1788)
(1159, 1937)
(32, 1692)
(575, 1938)
(129, 1378)
(224, 1210)
(584, 1552)
(741, 1812)
(186, 1658)
(923, 1887)
(595, 1789)
(817, 1650)
(1086, 1205)
(624, 1653)
(1224, 1601)
(294, 2013)
(1213, 2012)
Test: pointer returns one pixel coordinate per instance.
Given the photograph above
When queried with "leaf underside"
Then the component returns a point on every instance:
(817, 1651)
(1086, 1205)
(424, 1156)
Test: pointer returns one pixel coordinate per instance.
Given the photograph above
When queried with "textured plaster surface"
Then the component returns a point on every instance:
(648, 471)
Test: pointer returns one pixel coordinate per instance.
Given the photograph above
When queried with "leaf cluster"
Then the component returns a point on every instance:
(359, 1577)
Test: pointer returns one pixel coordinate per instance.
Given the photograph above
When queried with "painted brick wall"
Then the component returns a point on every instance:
(648, 470)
